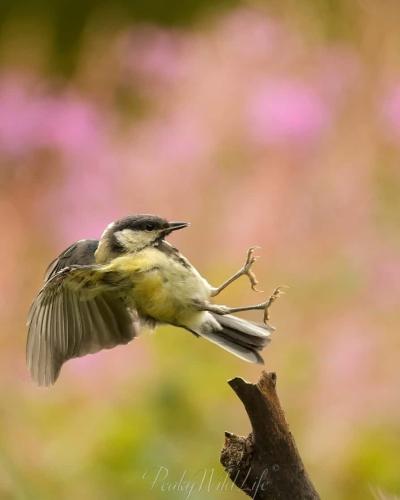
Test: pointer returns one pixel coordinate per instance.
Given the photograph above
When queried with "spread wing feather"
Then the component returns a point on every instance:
(69, 319)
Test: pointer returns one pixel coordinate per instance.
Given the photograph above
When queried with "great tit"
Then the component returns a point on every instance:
(99, 293)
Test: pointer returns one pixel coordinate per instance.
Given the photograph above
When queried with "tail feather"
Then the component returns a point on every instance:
(240, 337)
(245, 353)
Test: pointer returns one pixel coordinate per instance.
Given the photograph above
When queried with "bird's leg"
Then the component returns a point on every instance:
(264, 306)
(245, 270)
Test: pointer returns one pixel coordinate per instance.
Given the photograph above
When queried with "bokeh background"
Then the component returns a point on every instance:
(274, 123)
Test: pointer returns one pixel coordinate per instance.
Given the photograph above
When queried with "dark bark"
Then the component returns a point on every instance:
(266, 465)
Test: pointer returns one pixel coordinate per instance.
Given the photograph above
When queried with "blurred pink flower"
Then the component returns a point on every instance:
(348, 360)
(69, 124)
(163, 159)
(85, 202)
(391, 112)
(32, 118)
(180, 140)
(282, 111)
(19, 118)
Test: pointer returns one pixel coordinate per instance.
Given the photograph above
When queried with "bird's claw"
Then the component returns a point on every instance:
(250, 259)
(274, 296)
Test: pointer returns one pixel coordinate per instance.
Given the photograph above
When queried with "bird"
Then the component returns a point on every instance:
(98, 294)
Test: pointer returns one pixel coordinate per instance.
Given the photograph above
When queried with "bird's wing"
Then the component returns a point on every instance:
(72, 316)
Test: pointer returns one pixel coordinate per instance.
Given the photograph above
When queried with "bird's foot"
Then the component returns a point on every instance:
(246, 269)
(268, 303)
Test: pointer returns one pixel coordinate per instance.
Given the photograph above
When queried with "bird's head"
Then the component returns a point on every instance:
(134, 233)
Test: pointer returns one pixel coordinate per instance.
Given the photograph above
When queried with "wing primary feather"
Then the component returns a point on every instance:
(58, 349)
(44, 345)
(69, 327)
(94, 339)
(32, 350)
(39, 325)
(49, 343)
(103, 332)
(90, 327)
(75, 318)
(111, 321)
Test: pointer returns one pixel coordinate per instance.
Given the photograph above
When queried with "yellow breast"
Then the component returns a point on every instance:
(162, 287)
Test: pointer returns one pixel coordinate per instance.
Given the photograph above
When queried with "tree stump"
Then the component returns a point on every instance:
(265, 465)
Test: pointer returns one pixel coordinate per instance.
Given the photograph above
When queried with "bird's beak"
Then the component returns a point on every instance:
(174, 226)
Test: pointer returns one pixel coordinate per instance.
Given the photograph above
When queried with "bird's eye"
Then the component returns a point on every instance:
(149, 227)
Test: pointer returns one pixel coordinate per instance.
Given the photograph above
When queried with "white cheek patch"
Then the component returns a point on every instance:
(133, 240)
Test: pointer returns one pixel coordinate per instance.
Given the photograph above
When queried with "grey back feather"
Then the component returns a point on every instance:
(81, 253)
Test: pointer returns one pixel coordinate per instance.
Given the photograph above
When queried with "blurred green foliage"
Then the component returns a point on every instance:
(68, 19)
(373, 461)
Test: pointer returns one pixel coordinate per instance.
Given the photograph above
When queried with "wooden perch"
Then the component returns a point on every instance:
(266, 464)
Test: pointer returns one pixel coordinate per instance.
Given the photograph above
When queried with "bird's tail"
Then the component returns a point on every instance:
(242, 338)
